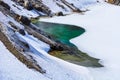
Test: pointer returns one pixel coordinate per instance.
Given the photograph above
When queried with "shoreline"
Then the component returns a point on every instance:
(74, 55)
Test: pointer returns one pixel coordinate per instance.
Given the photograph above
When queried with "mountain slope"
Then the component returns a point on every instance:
(12, 69)
(43, 66)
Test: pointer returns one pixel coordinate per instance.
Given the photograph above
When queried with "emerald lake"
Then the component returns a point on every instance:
(60, 32)
(63, 33)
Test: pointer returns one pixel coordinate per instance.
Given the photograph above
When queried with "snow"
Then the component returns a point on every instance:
(12, 69)
(82, 3)
(5, 19)
(29, 38)
(101, 39)
(52, 4)
(20, 10)
(57, 69)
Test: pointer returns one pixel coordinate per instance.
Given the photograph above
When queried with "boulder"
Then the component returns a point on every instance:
(38, 7)
(59, 14)
(28, 5)
(21, 31)
(24, 20)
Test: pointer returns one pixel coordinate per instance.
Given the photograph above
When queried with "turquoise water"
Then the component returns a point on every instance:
(60, 32)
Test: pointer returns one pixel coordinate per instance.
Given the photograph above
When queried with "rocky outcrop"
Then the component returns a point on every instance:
(5, 5)
(36, 33)
(16, 51)
(28, 5)
(34, 4)
(28, 62)
(21, 31)
(24, 20)
(59, 14)
(71, 6)
(39, 6)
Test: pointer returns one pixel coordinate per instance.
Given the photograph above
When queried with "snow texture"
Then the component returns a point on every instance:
(12, 69)
(101, 39)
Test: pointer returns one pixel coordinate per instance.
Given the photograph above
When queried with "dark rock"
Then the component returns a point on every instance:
(24, 20)
(5, 5)
(13, 25)
(30, 63)
(57, 47)
(60, 14)
(28, 5)
(20, 1)
(38, 7)
(78, 10)
(21, 31)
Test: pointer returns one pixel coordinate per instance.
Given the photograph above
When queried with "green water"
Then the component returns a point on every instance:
(60, 32)
(63, 33)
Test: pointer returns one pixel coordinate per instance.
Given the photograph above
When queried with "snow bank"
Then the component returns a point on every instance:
(101, 39)
(12, 69)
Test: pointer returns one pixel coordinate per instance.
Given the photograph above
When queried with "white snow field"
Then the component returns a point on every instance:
(101, 39)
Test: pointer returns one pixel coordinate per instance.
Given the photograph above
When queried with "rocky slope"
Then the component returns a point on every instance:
(16, 16)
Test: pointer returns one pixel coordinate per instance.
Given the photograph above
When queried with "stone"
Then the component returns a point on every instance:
(21, 31)
(60, 14)
(24, 20)
(28, 5)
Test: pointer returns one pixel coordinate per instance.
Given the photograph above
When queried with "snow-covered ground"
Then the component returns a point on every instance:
(101, 39)
(12, 69)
